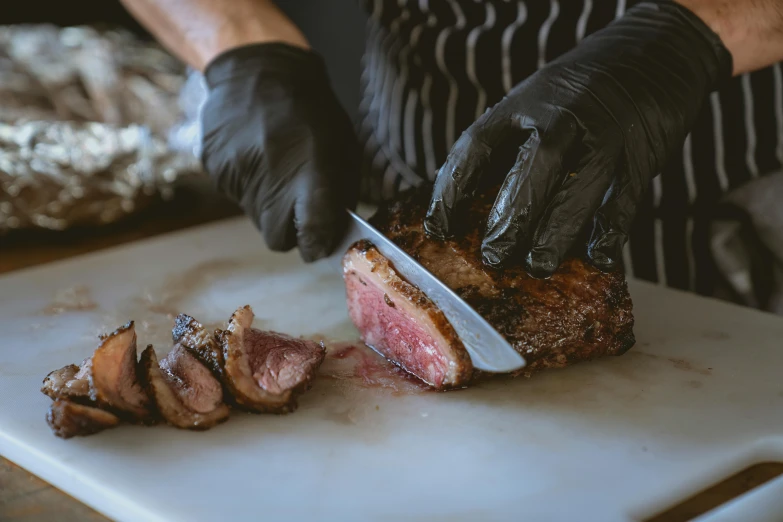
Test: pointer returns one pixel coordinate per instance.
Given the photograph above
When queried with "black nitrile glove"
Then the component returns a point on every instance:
(595, 126)
(277, 141)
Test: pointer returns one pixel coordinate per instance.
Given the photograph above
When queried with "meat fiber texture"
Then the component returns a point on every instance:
(184, 391)
(192, 387)
(265, 371)
(70, 419)
(578, 314)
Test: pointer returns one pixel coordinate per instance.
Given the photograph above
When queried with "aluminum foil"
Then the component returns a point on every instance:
(93, 125)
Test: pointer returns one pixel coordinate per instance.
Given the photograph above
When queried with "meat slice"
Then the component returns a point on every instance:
(70, 382)
(185, 392)
(69, 419)
(201, 343)
(397, 320)
(266, 371)
(579, 313)
(113, 379)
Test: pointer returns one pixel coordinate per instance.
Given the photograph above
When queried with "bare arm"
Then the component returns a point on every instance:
(198, 30)
(752, 30)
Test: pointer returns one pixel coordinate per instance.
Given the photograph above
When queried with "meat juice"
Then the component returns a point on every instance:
(360, 366)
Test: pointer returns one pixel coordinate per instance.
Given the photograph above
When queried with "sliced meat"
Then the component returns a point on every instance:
(185, 392)
(55, 382)
(201, 343)
(579, 313)
(70, 382)
(69, 419)
(114, 383)
(397, 320)
(265, 371)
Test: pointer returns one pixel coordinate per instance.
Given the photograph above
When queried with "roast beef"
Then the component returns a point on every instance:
(398, 320)
(266, 371)
(71, 382)
(69, 419)
(203, 344)
(579, 313)
(185, 392)
(191, 387)
(114, 383)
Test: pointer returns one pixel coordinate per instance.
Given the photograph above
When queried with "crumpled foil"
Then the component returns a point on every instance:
(93, 125)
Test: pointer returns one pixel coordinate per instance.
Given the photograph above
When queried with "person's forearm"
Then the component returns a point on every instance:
(752, 30)
(198, 30)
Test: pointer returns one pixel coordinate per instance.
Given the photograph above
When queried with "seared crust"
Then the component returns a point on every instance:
(189, 388)
(65, 383)
(201, 343)
(579, 313)
(68, 419)
(238, 375)
(166, 402)
(460, 368)
(127, 400)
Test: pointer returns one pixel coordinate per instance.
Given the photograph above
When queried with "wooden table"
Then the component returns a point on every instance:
(24, 497)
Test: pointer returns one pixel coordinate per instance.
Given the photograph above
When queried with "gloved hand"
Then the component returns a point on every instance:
(277, 141)
(595, 126)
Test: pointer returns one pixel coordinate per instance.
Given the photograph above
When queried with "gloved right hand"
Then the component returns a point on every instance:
(593, 128)
(277, 141)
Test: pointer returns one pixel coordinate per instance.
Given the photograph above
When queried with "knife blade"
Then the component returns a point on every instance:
(489, 351)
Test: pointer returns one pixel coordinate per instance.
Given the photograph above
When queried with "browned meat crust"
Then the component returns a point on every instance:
(184, 391)
(448, 365)
(201, 343)
(114, 383)
(68, 419)
(69, 382)
(266, 371)
(580, 313)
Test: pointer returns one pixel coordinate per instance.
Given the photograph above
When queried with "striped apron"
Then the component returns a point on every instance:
(431, 67)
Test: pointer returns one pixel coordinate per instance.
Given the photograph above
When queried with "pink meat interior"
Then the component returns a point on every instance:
(395, 328)
(279, 362)
(195, 386)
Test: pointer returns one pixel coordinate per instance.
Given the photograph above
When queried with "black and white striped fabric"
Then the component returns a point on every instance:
(431, 67)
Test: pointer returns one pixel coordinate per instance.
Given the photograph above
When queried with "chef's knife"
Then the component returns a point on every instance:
(489, 351)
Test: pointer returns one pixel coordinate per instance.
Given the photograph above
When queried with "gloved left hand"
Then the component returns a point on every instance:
(277, 141)
(597, 125)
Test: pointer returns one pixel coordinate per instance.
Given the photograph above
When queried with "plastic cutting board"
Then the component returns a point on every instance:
(698, 398)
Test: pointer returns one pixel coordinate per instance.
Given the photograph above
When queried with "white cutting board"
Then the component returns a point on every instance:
(698, 398)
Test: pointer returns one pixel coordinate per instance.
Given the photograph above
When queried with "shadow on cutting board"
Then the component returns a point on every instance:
(720, 493)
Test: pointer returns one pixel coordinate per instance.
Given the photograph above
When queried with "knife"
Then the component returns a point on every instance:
(489, 351)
